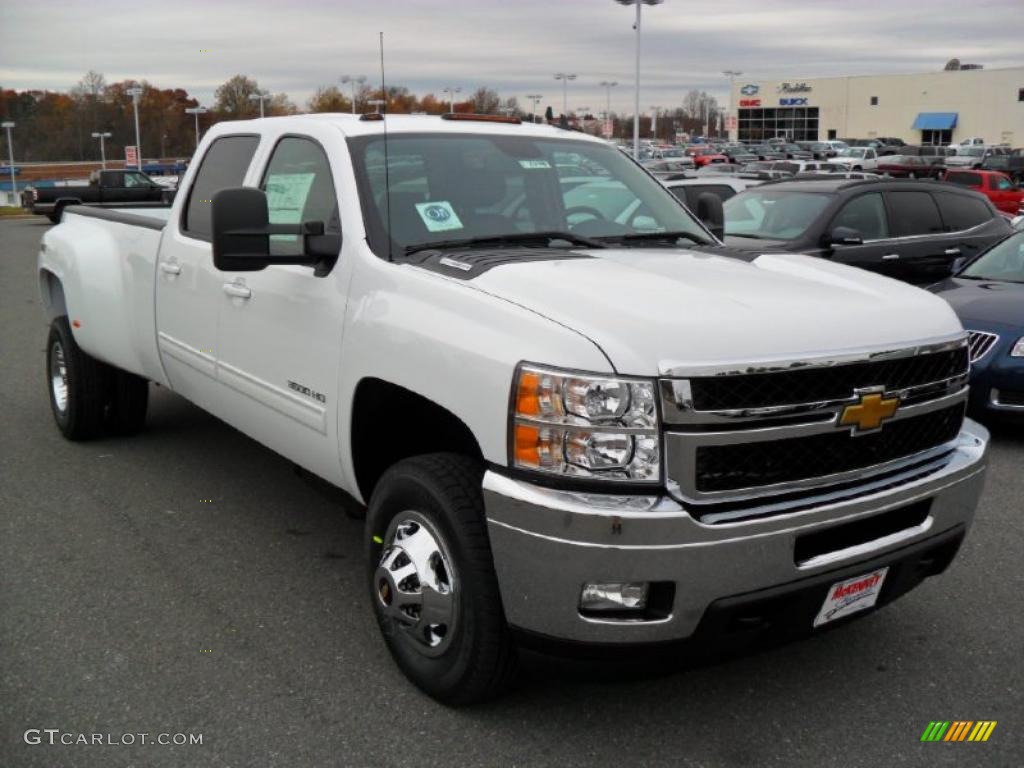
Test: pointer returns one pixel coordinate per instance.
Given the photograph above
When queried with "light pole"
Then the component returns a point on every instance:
(535, 98)
(451, 96)
(135, 92)
(197, 111)
(103, 150)
(7, 124)
(608, 85)
(260, 96)
(565, 77)
(732, 74)
(354, 81)
(654, 122)
(636, 100)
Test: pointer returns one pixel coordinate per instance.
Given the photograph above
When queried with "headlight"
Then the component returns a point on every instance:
(584, 426)
(1018, 348)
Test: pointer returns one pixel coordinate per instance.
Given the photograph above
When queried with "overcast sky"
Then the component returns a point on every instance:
(513, 46)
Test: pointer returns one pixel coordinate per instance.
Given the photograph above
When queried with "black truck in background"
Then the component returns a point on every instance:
(106, 189)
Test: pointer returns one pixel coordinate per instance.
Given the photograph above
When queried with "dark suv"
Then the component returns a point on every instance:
(914, 231)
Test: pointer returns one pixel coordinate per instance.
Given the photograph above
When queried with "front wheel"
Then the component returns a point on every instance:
(432, 581)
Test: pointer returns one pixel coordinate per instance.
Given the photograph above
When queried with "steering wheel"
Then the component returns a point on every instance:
(584, 210)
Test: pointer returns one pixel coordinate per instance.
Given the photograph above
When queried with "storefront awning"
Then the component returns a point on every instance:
(934, 121)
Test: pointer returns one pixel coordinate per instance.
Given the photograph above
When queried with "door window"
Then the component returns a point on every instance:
(914, 213)
(223, 166)
(866, 214)
(961, 211)
(135, 180)
(299, 188)
(1001, 183)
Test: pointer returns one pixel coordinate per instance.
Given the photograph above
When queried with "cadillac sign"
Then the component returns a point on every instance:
(794, 88)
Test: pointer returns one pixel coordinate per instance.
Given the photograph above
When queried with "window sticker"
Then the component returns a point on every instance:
(438, 216)
(534, 164)
(286, 200)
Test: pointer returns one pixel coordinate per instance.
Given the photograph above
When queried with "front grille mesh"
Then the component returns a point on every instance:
(749, 465)
(980, 344)
(809, 385)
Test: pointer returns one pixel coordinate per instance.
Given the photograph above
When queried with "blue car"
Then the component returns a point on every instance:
(988, 296)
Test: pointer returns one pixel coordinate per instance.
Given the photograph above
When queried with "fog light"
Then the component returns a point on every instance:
(614, 596)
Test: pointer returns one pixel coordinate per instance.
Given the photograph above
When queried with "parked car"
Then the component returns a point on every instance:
(795, 152)
(908, 166)
(604, 432)
(988, 297)
(739, 155)
(1010, 163)
(823, 150)
(856, 159)
(1005, 195)
(106, 189)
(911, 230)
(972, 157)
(664, 169)
(718, 169)
(703, 155)
(973, 141)
(767, 152)
(689, 190)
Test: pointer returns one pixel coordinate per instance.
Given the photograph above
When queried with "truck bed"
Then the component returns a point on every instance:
(111, 297)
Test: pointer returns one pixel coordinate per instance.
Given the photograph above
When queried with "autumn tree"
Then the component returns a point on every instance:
(232, 98)
(329, 98)
(484, 101)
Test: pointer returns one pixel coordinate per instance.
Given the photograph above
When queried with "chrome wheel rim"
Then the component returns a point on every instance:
(58, 377)
(415, 584)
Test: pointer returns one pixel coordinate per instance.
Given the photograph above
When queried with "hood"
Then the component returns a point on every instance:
(989, 302)
(756, 244)
(658, 308)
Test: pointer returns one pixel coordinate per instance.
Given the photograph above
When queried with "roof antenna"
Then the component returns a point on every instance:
(387, 178)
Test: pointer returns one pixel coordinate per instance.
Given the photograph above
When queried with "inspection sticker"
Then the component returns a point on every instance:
(850, 596)
(530, 164)
(439, 216)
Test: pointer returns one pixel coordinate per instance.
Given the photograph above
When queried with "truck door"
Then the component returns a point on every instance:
(280, 328)
(189, 289)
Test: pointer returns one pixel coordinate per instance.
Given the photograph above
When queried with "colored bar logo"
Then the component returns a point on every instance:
(958, 730)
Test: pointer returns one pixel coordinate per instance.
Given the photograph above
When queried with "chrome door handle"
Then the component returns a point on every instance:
(170, 268)
(952, 251)
(890, 256)
(237, 290)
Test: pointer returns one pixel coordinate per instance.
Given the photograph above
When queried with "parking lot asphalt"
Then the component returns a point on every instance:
(187, 580)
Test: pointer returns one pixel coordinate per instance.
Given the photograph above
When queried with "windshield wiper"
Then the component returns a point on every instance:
(515, 238)
(673, 236)
(744, 234)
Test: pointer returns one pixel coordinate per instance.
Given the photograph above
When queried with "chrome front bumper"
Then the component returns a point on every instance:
(548, 543)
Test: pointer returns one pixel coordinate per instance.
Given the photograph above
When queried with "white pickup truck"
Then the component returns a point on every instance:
(573, 415)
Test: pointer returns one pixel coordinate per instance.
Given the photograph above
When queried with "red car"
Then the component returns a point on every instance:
(908, 166)
(704, 155)
(997, 187)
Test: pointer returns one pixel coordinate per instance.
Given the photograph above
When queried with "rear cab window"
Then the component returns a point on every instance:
(914, 213)
(223, 166)
(964, 179)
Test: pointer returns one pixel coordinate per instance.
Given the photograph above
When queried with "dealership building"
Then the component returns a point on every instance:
(928, 108)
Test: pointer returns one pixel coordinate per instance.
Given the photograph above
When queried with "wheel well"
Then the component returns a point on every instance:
(391, 423)
(52, 292)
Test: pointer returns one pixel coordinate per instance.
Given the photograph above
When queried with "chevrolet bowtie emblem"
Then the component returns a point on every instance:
(868, 413)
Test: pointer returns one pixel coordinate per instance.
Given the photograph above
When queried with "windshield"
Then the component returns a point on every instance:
(454, 187)
(1004, 261)
(773, 214)
(851, 152)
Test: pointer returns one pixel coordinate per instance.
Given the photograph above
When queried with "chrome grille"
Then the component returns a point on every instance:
(781, 437)
(980, 343)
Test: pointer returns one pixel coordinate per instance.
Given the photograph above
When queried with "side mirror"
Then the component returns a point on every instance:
(711, 214)
(242, 230)
(844, 236)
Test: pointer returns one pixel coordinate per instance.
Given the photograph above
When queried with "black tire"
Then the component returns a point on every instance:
(127, 401)
(85, 384)
(475, 659)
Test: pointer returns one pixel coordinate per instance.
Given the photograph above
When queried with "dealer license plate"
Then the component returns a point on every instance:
(850, 596)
